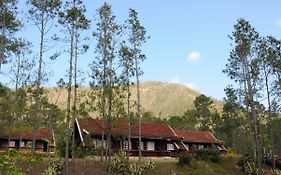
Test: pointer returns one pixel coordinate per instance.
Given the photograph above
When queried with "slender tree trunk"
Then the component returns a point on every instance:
(2, 42)
(129, 117)
(138, 108)
(68, 114)
(75, 93)
(269, 116)
(252, 114)
(38, 86)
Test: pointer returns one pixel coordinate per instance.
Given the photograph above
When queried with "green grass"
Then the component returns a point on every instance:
(227, 166)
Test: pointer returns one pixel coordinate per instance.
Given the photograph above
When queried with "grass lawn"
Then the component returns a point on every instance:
(227, 166)
(164, 166)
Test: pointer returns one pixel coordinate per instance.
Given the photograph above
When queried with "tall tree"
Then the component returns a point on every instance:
(269, 51)
(105, 80)
(81, 25)
(73, 19)
(42, 14)
(242, 68)
(137, 37)
(127, 63)
(9, 25)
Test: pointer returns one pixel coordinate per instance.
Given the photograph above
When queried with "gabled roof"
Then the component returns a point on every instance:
(41, 134)
(197, 136)
(98, 126)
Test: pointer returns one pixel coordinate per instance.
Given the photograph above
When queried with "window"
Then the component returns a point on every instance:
(150, 146)
(12, 143)
(21, 144)
(170, 146)
(200, 146)
(126, 144)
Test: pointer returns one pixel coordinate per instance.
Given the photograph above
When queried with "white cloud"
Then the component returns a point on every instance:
(178, 80)
(278, 22)
(194, 56)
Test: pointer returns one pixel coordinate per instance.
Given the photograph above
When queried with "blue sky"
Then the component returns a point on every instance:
(189, 41)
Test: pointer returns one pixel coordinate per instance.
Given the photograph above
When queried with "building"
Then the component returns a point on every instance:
(196, 140)
(22, 140)
(157, 139)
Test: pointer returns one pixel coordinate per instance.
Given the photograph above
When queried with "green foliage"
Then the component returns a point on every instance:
(205, 113)
(120, 165)
(55, 167)
(84, 151)
(276, 172)
(248, 165)
(250, 168)
(185, 159)
(9, 26)
(208, 155)
(9, 163)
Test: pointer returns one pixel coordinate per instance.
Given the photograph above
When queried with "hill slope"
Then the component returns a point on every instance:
(162, 99)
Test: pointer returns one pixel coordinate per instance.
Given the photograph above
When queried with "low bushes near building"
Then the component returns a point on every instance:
(11, 161)
(208, 155)
(248, 165)
(120, 165)
(185, 159)
(55, 168)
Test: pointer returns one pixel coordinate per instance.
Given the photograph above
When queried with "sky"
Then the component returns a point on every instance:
(188, 42)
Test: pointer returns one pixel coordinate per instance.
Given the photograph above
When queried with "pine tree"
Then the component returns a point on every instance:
(242, 68)
(73, 19)
(137, 36)
(105, 79)
(42, 14)
(9, 25)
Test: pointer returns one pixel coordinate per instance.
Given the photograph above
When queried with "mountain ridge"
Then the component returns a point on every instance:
(161, 98)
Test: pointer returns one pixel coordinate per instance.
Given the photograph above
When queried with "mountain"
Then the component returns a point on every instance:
(162, 99)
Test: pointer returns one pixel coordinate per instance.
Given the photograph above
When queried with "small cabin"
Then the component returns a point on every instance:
(22, 140)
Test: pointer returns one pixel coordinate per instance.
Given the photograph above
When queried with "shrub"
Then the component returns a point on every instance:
(119, 165)
(185, 159)
(276, 172)
(9, 163)
(55, 168)
(251, 168)
(248, 165)
(208, 155)
(215, 156)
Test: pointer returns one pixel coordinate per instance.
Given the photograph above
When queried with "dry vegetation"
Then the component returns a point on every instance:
(162, 99)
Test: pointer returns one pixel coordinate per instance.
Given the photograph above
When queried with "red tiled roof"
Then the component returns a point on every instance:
(41, 134)
(95, 126)
(197, 136)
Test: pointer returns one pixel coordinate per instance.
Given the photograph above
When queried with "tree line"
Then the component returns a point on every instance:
(251, 107)
(115, 66)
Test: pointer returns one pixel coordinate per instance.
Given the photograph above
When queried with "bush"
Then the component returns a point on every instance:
(208, 155)
(82, 151)
(215, 156)
(185, 159)
(248, 165)
(119, 165)
(55, 168)
(276, 172)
